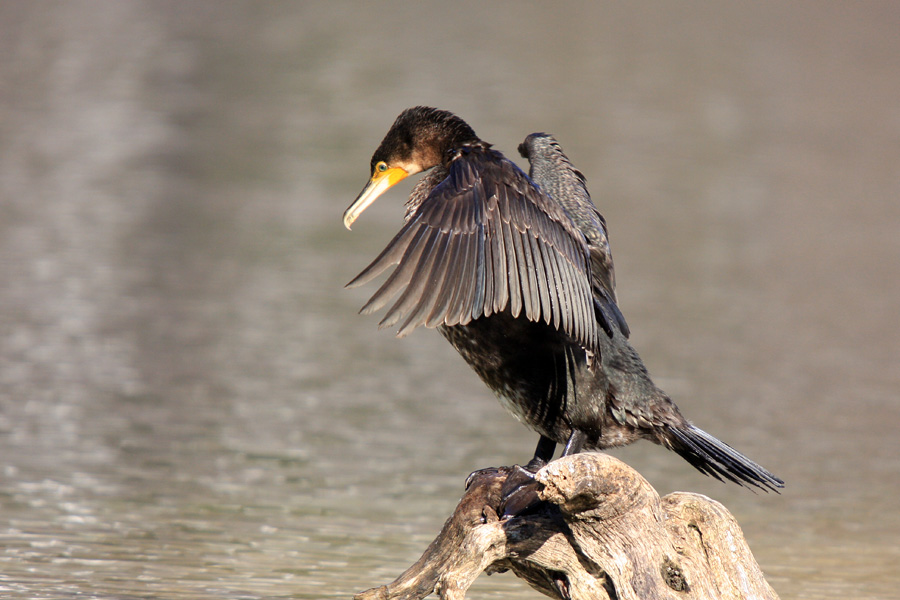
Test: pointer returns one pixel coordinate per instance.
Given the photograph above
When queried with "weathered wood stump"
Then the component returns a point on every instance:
(601, 532)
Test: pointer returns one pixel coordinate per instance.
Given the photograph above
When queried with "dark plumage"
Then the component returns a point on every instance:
(552, 170)
(519, 278)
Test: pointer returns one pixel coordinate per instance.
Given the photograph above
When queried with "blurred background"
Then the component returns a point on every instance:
(190, 406)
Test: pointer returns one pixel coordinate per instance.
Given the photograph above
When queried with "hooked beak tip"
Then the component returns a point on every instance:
(376, 186)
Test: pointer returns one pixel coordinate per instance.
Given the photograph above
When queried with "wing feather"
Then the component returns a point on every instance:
(529, 281)
(415, 294)
(499, 266)
(391, 255)
(460, 281)
(552, 272)
(486, 283)
(512, 269)
(399, 278)
(436, 289)
(475, 302)
(439, 309)
(543, 277)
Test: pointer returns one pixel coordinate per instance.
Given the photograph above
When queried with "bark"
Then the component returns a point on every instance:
(599, 532)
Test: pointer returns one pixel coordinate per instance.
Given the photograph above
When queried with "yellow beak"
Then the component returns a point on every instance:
(381, 182)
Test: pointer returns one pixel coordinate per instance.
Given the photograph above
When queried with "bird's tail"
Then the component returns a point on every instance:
(717, 459)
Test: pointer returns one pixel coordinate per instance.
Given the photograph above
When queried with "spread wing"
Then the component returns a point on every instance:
(486, 240)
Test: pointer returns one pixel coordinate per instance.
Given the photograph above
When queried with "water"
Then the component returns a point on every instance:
(190, 406)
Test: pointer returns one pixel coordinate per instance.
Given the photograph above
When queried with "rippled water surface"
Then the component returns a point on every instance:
(190, 406)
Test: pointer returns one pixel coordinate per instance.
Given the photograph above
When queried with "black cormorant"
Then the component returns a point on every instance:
(520, 282)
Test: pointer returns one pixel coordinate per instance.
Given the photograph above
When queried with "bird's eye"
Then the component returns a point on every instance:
(381, 167)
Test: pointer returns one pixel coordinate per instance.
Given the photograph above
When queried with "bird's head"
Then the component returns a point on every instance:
(538, 144)
(418, 140)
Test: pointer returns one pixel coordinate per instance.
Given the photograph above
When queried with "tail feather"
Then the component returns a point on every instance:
(717, 459)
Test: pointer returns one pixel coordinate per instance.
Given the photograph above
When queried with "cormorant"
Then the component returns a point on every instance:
(518, 278)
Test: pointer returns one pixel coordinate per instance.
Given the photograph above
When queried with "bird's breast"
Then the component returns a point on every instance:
(530, 366)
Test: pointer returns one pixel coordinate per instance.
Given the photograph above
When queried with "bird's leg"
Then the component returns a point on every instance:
(543, 454)
(575, 442)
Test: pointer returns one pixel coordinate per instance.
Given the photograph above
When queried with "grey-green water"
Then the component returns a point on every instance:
(190, 406)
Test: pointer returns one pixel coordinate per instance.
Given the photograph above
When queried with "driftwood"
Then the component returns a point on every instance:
(600, 531)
